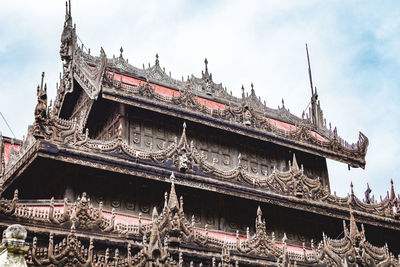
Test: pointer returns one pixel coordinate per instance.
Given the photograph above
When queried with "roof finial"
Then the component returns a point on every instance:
(392, 193)
(367, 194)
(183, 140)
(41, 84)
(353, 226)
(295, 165)
(173, 199)
(68, 10)
(351, 188)
(252, 89)
(121, 50)
(243, 95)
(157, 61)
(259, 214)
(206, 64)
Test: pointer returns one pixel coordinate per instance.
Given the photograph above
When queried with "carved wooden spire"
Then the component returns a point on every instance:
(173, 199)
(155, 250)
(295, 166)
(354, 233)
(41, 106)
(183, 140)
(392, 192)
(68, 35)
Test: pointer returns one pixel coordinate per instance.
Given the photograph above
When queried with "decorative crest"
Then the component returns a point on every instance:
(121, 50)
(41, 106)
(68, 35)
(173, 203)
(295, 166)
(367, 194)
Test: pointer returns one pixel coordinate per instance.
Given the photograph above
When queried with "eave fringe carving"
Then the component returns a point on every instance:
(94, 72)
(91, 74)
(246, 115)
(167, 237)
(184, 156)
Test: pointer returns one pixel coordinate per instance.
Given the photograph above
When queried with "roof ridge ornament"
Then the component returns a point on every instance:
(254, 101)
(121, 50)
(367, 194)
(392, 192)
(41, 111)
(68, 14)
(206, 67)
(353, 233)
(68, 36)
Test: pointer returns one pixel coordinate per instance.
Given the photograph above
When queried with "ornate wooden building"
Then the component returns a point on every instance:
(130, 167)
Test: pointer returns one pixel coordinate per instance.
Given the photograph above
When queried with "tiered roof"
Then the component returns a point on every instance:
(194, 99)
(291, 188)
(169, 238)
(200, 100)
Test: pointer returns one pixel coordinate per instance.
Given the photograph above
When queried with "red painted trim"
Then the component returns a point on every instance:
(165, 91)
(7, 151)
(128, 219)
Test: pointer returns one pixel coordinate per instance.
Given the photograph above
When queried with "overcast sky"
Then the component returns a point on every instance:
(354, 49)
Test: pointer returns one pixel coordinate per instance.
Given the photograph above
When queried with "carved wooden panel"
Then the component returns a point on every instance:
(156, 135)
(148, 130)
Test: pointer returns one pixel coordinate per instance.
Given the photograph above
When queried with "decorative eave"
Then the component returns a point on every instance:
(151, 88)
(198, 99)
(169, 238)
(62, 140)
(75, 67)
(186, 106)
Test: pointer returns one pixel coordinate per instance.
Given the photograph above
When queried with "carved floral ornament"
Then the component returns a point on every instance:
(245, 114)
(168, 238)
(184, 156)
(90, 72)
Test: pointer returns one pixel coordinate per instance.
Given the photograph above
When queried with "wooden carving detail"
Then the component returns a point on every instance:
(89, 77)
(353, 249)
(186, 157)
(157, 243)
(246, 112)
(8, 207)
